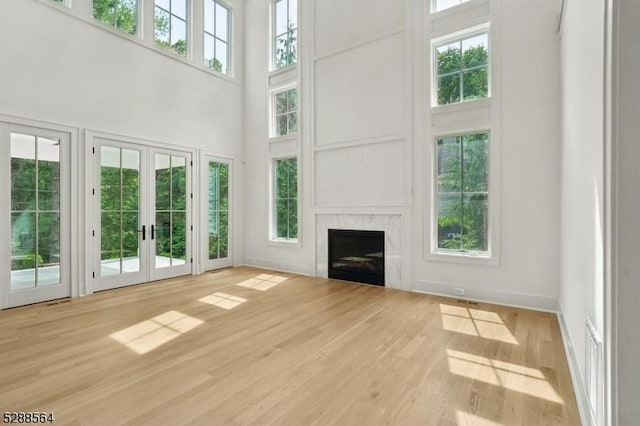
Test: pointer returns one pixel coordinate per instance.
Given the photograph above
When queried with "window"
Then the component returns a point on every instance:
(171, 25)
(462, 195)
(286, 199)
(120, 14)
(462, 68)
(439, 5)
(216, 36)
(285, 36)
(35, 211)
(218, 210)
(285, 107)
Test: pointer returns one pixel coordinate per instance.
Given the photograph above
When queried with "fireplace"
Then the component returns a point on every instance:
(356, 256)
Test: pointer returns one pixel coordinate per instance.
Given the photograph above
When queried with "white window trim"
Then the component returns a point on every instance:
(451, 38)
(272, 113)
(229, 42)
(432, 252)
(273, 240)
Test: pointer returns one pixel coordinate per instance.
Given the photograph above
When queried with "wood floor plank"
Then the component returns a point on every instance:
(277, 348)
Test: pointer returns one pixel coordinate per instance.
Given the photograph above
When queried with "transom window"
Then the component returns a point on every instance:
(286, 112)
(462, 196)
(120, 14)
(285, 33)
(286, 199)
(439, 5)
(171, 25)
(462, 69)
(217, 24)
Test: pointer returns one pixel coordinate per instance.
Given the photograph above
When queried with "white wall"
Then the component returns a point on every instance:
(362, 75)
(259, 151)
(626, 201)
(59, 69)
(582, 236)
(524, 117)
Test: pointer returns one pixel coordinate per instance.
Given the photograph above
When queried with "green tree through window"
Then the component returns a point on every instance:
(463, 69)
(121, 14)
(285, 32)
(286, 198)
(463, 192)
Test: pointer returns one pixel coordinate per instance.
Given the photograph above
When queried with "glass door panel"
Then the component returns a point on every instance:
(170, 230)
(218, 210)
(35, 199)
(35, 211)
(119, 211)
(217, 238)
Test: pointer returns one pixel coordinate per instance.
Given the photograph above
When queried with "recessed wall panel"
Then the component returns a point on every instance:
(361, 93)
(339, 23)
(363, 175)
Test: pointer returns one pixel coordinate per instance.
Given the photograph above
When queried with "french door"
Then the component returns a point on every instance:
(216, 195)
(142, 213)
(35, 215)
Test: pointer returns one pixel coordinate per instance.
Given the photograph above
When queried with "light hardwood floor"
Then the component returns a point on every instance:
(298, 351)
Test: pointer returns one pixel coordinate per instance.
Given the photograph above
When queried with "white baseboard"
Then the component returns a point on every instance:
(574, 370)
(489, 295)
(276, 266)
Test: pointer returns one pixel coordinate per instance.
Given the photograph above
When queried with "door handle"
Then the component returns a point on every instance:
(144, 232)
(153, 232)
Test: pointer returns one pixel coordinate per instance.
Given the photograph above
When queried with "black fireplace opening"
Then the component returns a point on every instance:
(356, 256)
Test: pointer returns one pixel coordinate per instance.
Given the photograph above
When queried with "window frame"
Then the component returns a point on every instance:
(273, 132)
(273, 228)
(491, 256)
(274, 36)
(187, 25)
(228, 7)
(459, 37)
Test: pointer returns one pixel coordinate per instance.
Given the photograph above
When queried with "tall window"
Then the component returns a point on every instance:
(462, 69)
(286, 198)
(35, 211)
(216, 36)
(120, 14)
(439, 5)
(285, 112)
(171, 25)
(462, 197)
(218, 210)
(285, 32)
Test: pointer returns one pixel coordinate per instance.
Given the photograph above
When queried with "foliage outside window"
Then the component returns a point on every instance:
(120, 14)
(35, 211)
(286, 112)
(286, 198)
(218, 210)
(216, 36)
(462, 69)
(439, 5)
(285, 33)
(171, 208)
(463, 193)
(171, 25)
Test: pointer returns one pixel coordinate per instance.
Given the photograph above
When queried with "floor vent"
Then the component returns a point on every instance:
(592, 363)
(468, 302)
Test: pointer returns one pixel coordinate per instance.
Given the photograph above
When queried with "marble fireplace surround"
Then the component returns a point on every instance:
(390, 224)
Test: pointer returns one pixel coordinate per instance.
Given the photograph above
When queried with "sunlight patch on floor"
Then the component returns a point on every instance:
(474, 322)
(223, 300)
(468, 419)
(518, 378)
(263, 282)
(148, 335)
